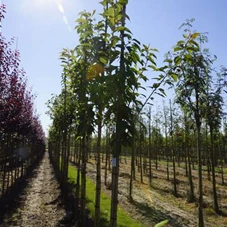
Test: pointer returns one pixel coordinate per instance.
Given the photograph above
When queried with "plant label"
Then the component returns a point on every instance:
(114, 163)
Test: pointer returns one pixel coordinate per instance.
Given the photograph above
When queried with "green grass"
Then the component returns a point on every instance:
(124, 219)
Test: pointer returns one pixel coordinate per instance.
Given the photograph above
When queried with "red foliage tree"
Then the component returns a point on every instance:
(16, 102)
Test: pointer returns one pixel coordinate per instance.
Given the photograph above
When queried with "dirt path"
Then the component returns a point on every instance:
(39, 203)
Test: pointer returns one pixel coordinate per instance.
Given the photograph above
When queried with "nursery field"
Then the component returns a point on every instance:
(156, 203)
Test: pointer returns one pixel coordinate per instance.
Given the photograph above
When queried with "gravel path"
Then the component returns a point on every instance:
(40, 205)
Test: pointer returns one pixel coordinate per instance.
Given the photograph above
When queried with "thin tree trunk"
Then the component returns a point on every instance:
(191, 195)
(141, 163)
(132, 171)
(83, 181)
(149, 147)
(173, 153)
(200, 202)
(140, 156)
(98, 172)
(77, 193)
(107, 156)
(215, 198)
(198, 127)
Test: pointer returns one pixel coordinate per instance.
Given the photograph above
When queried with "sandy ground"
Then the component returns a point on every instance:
(40, 205)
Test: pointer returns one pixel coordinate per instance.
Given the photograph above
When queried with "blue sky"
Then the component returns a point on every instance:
(45, 27)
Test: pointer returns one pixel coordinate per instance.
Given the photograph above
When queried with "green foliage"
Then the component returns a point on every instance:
(161, 224)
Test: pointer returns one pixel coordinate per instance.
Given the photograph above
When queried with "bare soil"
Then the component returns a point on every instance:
(39, 204)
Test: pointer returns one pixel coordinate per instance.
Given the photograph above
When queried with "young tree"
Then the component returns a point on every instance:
(213, 117)
(191, 66)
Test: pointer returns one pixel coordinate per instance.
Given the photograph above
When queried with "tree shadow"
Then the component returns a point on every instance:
(154, 215)
(13, 198)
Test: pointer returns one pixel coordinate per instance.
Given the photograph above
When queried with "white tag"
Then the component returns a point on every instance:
(114, 163)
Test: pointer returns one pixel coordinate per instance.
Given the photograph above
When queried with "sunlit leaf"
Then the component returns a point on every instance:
(177, 60)
(168, 60)
(177, 48)
(195, 35)
(174, 76)
(192, 49)
(103, 60)
(193, 42)
(80, 20)
(162, 224)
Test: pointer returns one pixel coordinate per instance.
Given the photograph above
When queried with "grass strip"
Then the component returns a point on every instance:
(124, 219)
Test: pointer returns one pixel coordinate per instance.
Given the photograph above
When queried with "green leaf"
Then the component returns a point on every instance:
(192, 49)
(161, 224)
(153, 67)
(177, 60)
(174, 76)
(103, 60)
(123, 2)
(181, 42)
(168, 60)
(115, 40)
(162, 69)
(162, 91)
(137, 41)
(155, 85)
(80, 20)
(177, 48)
(123, 28)
(110, 14)
(151, 60)
(195, 35)
(93, 13)
(127, 35)
(154, 49)
(193, 42)
(188, 58)
(146, 48)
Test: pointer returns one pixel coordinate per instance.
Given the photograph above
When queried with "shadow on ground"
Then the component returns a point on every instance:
(154, 215)
(12, 200)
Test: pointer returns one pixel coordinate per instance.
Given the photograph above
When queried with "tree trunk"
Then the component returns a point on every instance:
(83, 181)
(132, 172)
(215, 198)
(140, 161)
(107, 156)
(149, 146)
(200, 202)
(173, 153)
(191, 195)
(98, 172)
(200, 191)
(77, 193)
(117, 148)
(115, 174)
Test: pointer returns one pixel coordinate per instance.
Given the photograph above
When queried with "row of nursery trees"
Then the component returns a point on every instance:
(101, 86)
(19, 124)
